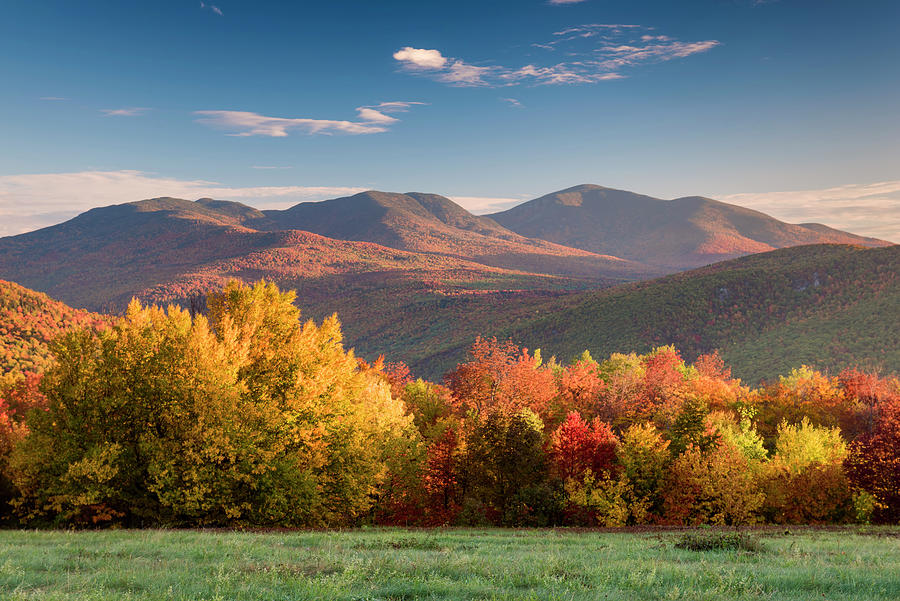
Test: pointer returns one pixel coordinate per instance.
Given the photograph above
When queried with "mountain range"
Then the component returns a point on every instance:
(416, 276)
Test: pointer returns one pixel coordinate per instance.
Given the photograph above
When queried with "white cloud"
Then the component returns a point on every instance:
(33, 201)
(611, 48)
(419, 58)
(865, 209)
(464, 74)
(133, 111)
(512, 102)
(395, 106)
(374, 116)
(557, 2)
(52, 98)
(454, 72)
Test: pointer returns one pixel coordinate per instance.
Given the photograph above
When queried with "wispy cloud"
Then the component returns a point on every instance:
(32, 201)
(213, 8)
(380, 113)
(481, 205)
(865, 209)
(372, 120)
(556, 2)
(134, 111)
(512, 102)
(595, 52)
(271, 167)
(52, 98)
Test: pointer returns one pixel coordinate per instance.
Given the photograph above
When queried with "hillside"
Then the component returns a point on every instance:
(825, 306)
(670, 234)
(29, 320)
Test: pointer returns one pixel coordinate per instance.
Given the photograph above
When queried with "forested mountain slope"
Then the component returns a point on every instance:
(825, 306)
(829, 306)
(29, 320)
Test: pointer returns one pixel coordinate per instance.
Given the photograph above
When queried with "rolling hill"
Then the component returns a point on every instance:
(669, 234)
(828, 306)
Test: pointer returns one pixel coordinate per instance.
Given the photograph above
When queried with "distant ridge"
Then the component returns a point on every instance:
(167, 249)
(670, 234)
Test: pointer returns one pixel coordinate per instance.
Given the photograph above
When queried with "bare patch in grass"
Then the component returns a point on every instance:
(400, 543)
(305, 569)
(719, 541)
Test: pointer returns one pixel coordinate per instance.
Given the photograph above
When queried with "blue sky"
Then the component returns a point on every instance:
(789, 106)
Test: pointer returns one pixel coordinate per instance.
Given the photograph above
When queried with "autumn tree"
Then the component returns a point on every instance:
(804, 393)
(805, 480)
(874, 460)
(577, 447)
(18, 396)
(500, 374)
(645, 457)
(504, 467)
(250, 417)
(712, 487)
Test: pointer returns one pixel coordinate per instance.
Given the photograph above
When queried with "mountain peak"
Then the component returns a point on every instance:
(679, 234)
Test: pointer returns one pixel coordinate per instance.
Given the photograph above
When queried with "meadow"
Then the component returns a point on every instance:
(774, 563)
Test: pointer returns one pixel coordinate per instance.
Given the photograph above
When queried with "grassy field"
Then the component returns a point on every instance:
(451, 564)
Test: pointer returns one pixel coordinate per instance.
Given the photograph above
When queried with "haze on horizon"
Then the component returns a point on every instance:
(786, 106)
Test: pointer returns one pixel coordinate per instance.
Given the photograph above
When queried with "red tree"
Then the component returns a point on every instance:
(874, 461)
(577, 447)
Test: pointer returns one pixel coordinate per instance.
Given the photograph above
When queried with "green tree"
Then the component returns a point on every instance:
(505, 466)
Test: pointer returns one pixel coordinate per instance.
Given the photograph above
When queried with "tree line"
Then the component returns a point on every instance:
(247, 416)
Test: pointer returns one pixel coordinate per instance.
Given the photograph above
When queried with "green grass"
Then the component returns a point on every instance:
(452, 564)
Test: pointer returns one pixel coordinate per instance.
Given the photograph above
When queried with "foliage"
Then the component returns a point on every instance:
(577, 447)
(500, 375)
(248, 418)
(503, 464)
(691, 428)
(29, 321)
(609, 501)
(805, 481)
(741, 434)
(874, 460)
(716, 487)
(645, 455)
